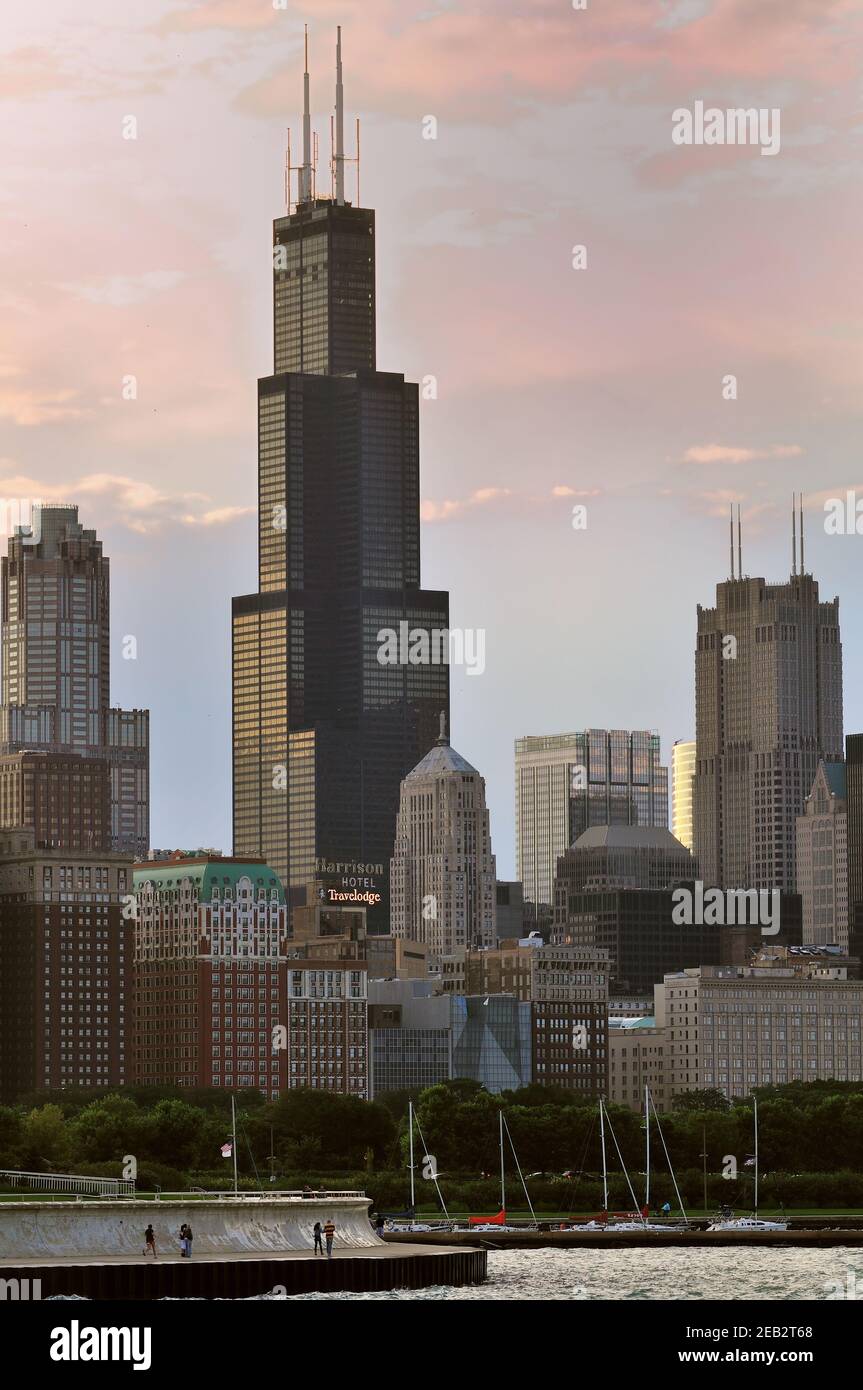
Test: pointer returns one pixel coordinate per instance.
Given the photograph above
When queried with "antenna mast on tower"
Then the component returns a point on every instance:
(339, 152)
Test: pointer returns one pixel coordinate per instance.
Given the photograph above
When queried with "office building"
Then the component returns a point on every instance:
(636, 1059)
(682, 772)
(492, 1040)
(822, 858)
(854, 797)
(66, 961)
(637, 929)
(768, 708)
(786, 1017)
(218, 1001)
(340, 659)
(442, 874)
(621, 856)
(63, 797)
(56, 672)
(210, 974)
(510, 917)
(410, 1038)
(565, 783)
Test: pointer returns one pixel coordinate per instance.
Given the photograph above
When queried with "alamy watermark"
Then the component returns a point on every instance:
(844, 516)
(435, 646)
(734, 126)
(727, 907)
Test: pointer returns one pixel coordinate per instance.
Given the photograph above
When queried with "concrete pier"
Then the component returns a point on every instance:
(246, 1276)
(242, 1247)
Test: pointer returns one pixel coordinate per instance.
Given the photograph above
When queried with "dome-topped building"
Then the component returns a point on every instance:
(443, 873)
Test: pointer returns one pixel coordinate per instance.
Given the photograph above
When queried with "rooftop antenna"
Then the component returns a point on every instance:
(802, 571)
(442, 738)
(305, 188)
(793, 535)
(739, 547)
(339, 154)
(731, 534)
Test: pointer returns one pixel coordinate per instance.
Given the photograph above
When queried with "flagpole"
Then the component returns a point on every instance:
(234, 1143)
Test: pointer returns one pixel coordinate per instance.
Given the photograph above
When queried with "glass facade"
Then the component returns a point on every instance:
(566, 783)
(323, 732)
(324, 289)
(682, 773)
(408, 1059)
(491, 1040)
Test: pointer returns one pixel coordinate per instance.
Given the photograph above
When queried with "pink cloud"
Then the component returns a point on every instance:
(478, 61)
(721, 453)
(131, 502)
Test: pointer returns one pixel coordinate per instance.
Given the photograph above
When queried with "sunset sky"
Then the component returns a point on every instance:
(151, 257)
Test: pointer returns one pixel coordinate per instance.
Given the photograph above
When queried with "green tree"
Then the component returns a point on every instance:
(44, 1140)
(710, 1098)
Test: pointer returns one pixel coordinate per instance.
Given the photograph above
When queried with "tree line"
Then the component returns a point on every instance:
(176, 1135)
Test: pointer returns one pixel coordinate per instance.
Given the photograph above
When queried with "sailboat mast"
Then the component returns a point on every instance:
(604, 1163)
(411, 1143)
(502, 1173)
(755, 1110)
(647, 1149)
(234, 1141)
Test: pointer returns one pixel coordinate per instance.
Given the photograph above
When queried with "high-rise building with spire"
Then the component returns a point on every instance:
(323, 731)
(768, 709)
(56, 679)
(443, 870)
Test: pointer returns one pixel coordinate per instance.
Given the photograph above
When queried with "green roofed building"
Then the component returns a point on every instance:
(216, 1003)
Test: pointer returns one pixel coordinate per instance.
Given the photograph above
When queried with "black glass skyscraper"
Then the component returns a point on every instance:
(323, 733)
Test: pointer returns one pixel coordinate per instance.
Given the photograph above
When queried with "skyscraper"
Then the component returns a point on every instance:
(854, 793)
(323, 731)
(822, 858)
(768, 708)
(56, 672)
(443, 876)
(682, 770)
(565, 783)
(66, 952)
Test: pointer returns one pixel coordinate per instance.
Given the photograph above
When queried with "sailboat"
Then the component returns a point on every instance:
(406, 1221)
(753, 1222)
(648, 1225)
(624, 1221)
(498, 1223)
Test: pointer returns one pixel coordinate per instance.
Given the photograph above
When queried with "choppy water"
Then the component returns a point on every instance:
(643, 1275)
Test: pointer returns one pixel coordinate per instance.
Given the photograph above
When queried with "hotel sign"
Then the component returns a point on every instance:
(355, 882)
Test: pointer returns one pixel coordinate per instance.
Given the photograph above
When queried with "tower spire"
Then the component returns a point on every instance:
(739, 547)
(793, 535)
(339, 154)
(802, 570)
(731, 535)
(305, 189)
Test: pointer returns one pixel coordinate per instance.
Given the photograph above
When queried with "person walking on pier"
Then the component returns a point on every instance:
(379, 1226)
(188, 1242)
(329, 1232)
(183, 1248)
(150, 1242)
(318, 1238)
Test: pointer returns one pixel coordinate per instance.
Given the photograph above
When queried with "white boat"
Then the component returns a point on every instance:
(753, 1222)
(747, 1223)
(637, 1221)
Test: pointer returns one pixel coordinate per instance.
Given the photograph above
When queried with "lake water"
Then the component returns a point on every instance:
(644, 1275)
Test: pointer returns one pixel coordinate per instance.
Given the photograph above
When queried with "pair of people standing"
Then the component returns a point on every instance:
(186, 1241)
(327, 1233)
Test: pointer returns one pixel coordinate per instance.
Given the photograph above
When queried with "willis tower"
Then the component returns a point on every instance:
(323, 732)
